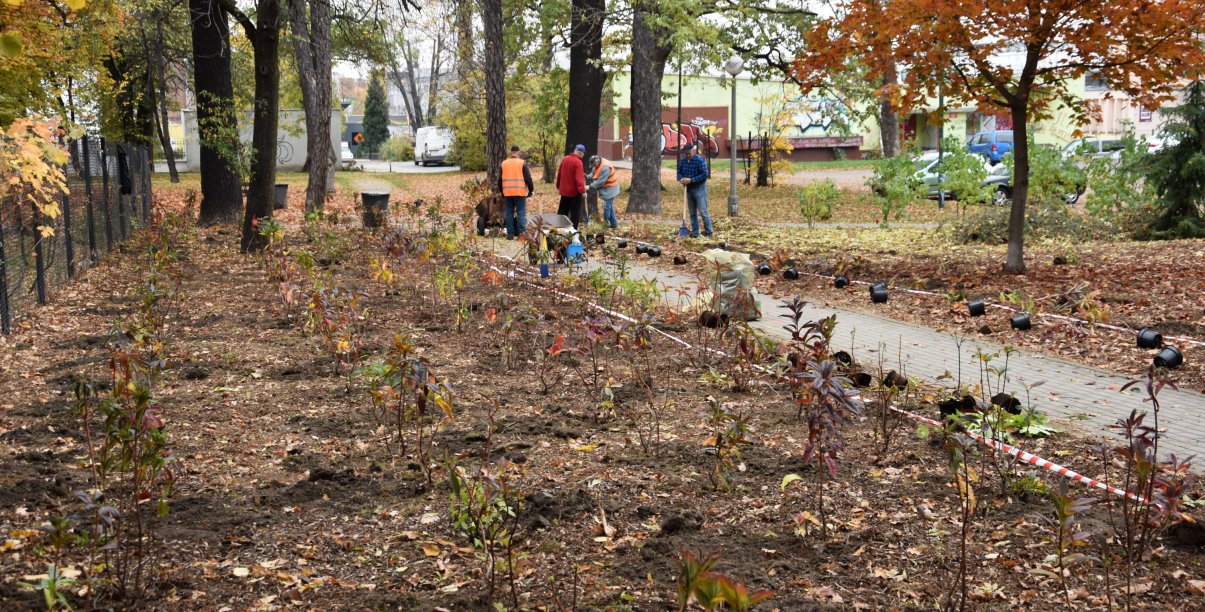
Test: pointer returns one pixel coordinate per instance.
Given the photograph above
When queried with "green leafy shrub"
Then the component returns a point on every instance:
(964, 174)
(816, 200)
(896, 184)
(1120, 192)
(398, 148)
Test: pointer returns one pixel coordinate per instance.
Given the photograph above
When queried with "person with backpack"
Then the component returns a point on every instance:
(605, 182)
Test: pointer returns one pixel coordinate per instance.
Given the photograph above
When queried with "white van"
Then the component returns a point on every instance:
(431, 145)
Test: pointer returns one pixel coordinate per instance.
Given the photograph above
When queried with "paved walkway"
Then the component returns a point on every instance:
(1086, 396)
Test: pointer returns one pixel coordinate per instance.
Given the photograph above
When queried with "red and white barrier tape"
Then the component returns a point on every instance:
(1027, 457)
(1074, 320)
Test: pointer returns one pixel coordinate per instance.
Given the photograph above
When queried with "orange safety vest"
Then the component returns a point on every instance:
(513, 185)
(612, 179)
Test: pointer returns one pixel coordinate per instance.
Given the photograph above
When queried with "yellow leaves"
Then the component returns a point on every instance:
(74, 5)
(46, 231)
(13, 2)
(10, 44)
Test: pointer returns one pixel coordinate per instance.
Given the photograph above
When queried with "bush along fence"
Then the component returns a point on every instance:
(108, 195)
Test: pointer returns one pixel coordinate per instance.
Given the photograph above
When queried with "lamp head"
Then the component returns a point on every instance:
(734, 65)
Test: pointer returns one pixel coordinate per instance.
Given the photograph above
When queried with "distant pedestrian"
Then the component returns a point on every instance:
(605, 181)
(692, 172)
(515, 185)
(571, 184)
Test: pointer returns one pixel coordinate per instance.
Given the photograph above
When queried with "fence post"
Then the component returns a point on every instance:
(104, 165)
(68, 240)
(5, 321)
(39, 261)
(148, 168)
(89, 211)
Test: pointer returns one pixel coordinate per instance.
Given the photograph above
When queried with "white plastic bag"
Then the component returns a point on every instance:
(731, 277)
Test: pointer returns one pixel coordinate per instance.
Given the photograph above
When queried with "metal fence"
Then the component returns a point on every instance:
(109, 196)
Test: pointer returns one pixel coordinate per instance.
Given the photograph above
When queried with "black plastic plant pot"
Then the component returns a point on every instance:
(977, 308)
(1021, 322)
(376, 206)
(878, 295)
(282, 196)
(862, 379)
(622, 244)
(679, 260)
(1150, 339)
(843, 359)
(1169, 357)
(841, 281)
(765, 270)
(641, 249)
(878, 286)
(790, 274)
(600, 238)
(655, 252)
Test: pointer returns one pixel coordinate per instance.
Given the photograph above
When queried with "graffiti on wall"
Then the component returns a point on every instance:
(818, 116)
(700, 132)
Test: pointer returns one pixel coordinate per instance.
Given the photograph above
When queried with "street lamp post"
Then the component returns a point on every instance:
(733, 67)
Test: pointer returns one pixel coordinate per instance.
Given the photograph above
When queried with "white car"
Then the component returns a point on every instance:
(345, 152)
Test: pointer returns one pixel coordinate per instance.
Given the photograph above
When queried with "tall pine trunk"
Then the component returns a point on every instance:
(311, 33)
(1015, 261)
(495, 92)
(649, 54)
(586, 82)
(265, 40)
(221, 196)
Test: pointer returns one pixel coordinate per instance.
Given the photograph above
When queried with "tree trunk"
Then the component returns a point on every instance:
(495, 93)
(586, 82)
(395, 74)
(416, 101)
(262, 186)
(649, 53)
(433, 77)
(889, 121)
(312, 48)
(221, 196)
(161, 122)
(1015, 262)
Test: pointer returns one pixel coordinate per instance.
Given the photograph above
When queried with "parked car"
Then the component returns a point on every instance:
(431, 145)
(926, 171)
(991, 145)
(345, 152)
(1001, 180)
(1093, 146)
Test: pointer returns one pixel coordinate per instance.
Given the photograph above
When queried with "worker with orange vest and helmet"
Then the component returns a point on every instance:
(606, 182)
(515, 185)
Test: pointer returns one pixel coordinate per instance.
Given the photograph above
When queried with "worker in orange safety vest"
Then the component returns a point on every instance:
(515, 185)
(606, 182)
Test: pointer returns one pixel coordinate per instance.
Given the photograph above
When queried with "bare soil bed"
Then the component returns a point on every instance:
(286, 495)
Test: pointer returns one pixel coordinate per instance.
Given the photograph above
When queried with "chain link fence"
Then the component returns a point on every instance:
(109, 196)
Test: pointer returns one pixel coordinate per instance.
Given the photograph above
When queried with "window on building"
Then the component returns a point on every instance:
(1095, 81)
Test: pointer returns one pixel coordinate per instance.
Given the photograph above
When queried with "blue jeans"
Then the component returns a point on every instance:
(609, 213)
(514, 215)
(696, 200)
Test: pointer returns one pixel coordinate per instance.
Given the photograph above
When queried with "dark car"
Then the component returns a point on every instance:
(1000, 179)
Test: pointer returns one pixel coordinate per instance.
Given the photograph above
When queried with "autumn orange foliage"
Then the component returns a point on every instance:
(1019, 56)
